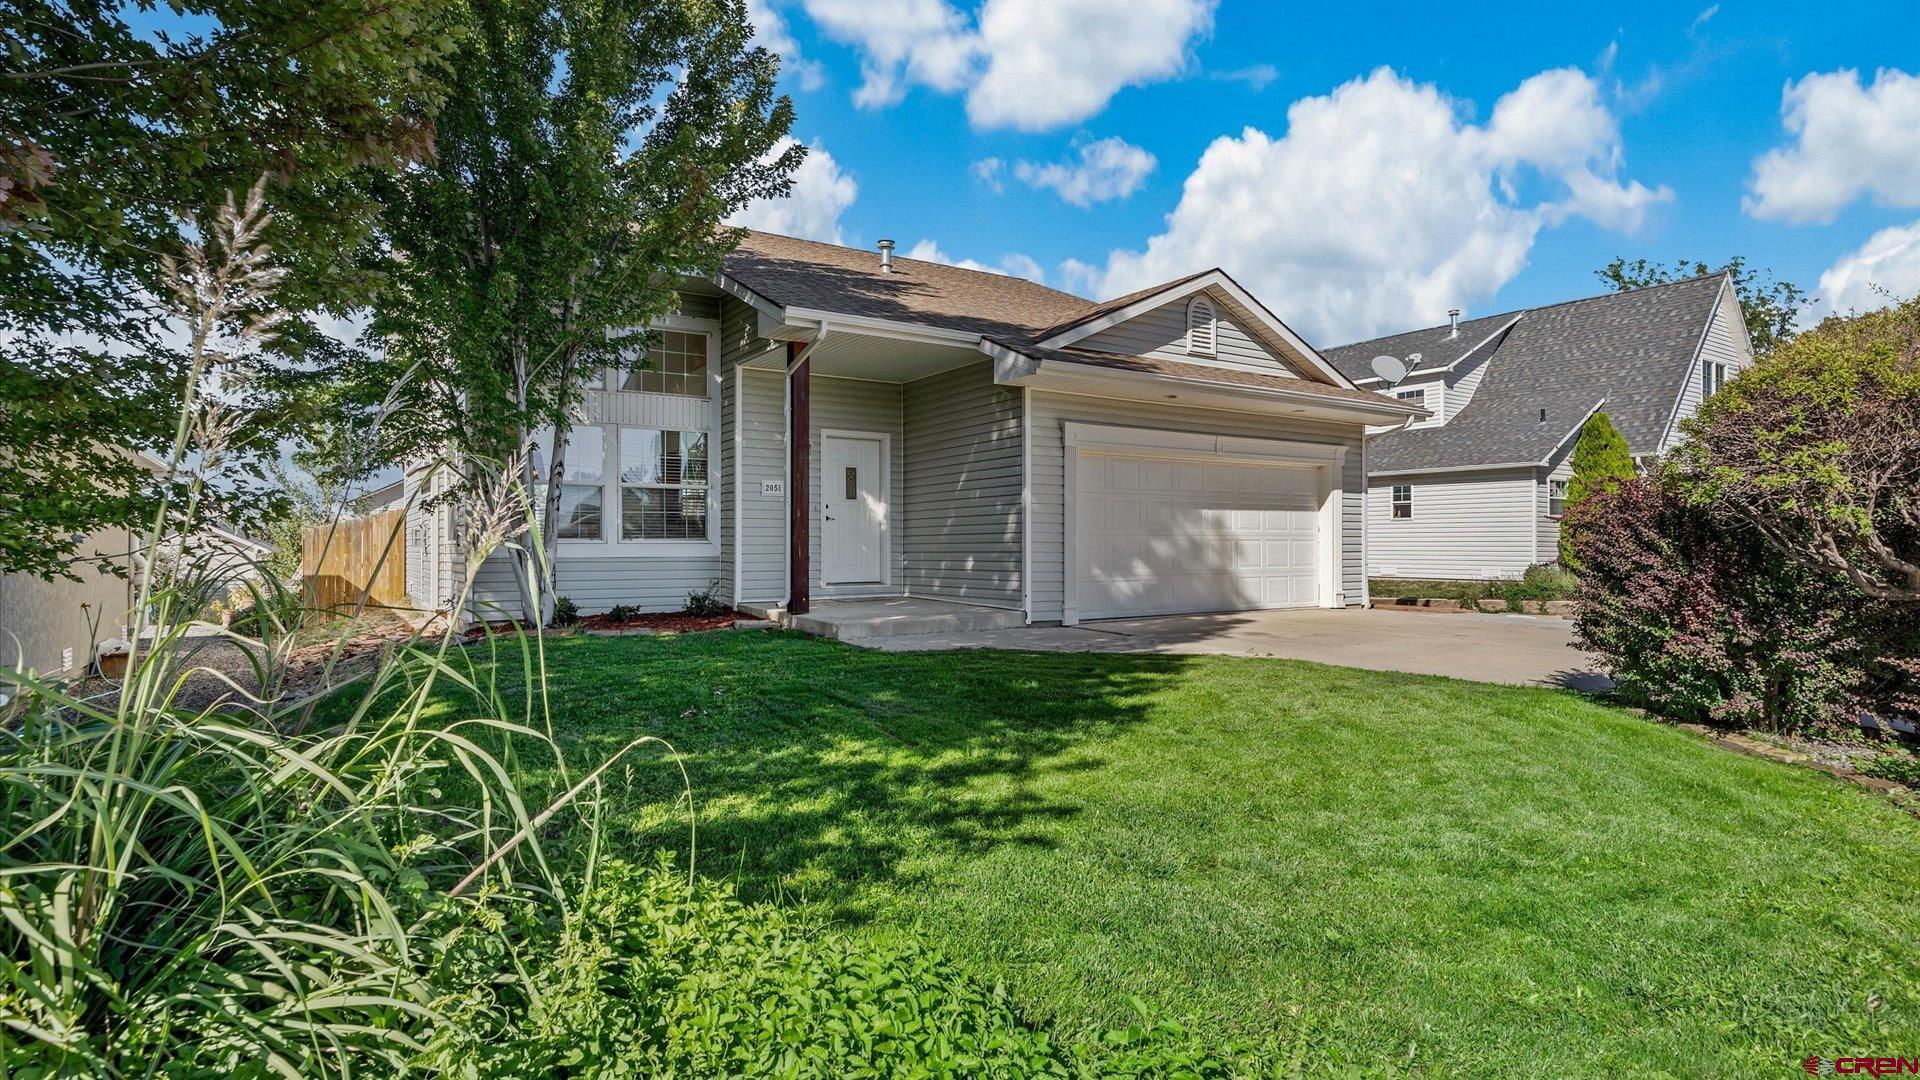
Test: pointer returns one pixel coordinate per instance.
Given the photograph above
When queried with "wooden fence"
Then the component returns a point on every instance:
(357, 561)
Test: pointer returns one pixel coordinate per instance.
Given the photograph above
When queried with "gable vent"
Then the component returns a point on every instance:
(1202, 327)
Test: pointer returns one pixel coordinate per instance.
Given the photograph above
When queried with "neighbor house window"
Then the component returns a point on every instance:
(677, 364)
(1202, 326)
(1403, 500)
(582, 485)
(1556, 497)
(1712, 378)
(663, 484)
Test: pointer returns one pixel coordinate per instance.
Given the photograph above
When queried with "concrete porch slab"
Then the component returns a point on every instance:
(862, 621)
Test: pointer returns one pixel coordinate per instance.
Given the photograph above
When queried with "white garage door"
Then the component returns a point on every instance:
(1168, 536)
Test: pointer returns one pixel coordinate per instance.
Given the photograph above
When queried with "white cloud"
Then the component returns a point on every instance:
(821, 193)
(1700, 20)
(900, 41)
(1884, 269)
(1850, 140)
(1057, 62)
(1108, 169)
(987, 172)
(1380, 208)
(1013, 264)
(770, 29)
(1030, 65)
(1256, 77)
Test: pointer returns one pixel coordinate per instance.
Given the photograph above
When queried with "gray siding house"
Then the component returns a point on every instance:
(822, 423)
(1474, 490)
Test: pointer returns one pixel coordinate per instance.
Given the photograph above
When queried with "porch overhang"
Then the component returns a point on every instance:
(1011, 369)
(877, 350)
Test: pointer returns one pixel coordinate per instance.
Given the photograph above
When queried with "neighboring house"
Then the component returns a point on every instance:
(957, 435)
(52, 627)
(216, 552)
(1476, 490)
(385, 497)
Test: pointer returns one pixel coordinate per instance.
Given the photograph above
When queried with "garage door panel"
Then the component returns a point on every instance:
(1164, 536)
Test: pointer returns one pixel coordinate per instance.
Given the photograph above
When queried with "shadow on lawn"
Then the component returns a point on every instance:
(819, 770)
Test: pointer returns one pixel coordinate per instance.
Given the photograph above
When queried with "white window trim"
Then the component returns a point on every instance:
(610, 545)
(1394, 503)
(1564, 485)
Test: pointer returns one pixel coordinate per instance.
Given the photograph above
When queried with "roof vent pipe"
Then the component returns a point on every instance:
(1453, 322)
(886, 256)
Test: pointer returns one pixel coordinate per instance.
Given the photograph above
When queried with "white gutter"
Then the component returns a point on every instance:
(1385, 407)
(931, 335)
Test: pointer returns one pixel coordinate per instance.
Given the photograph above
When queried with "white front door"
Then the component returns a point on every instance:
(853, 511)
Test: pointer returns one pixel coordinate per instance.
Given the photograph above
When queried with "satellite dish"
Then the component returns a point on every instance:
(1390, 369)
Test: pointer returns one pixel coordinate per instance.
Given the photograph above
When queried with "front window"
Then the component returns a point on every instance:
(581, 488)
(1403, 500)
(677, 364)
(663, 484)
(1556, 497)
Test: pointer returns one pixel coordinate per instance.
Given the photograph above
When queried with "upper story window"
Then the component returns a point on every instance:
(1403, 500)
(1203, 331)
(677, 364)
(1712, 377)
(1419, 397)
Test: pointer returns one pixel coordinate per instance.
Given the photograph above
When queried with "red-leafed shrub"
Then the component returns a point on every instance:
(1702, 619)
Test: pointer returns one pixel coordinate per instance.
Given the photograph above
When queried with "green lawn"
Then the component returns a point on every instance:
(1394, 872)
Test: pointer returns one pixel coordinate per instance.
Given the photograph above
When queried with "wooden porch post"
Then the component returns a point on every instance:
(799, 498)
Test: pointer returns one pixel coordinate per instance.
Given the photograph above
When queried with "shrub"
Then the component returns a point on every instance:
(656, 975)
(1705, 621)
(620, 613)
(565, 611)
(1818, 449)
(706, 601)
(1600, 461)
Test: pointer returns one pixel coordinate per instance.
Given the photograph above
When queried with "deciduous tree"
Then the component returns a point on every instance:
(587, 154)
(116, 119)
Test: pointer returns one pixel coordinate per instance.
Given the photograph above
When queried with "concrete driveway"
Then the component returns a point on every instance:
(1517, 649)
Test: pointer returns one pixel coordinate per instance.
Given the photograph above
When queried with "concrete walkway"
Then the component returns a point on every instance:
(1517, 649)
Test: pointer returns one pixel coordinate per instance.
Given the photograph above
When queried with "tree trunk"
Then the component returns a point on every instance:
(562, 434)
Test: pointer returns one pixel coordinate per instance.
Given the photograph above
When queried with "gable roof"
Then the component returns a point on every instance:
(1011, 312)
(1627, 353)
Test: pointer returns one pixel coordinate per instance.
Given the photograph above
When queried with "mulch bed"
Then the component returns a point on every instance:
(669, 622)
(662, 623)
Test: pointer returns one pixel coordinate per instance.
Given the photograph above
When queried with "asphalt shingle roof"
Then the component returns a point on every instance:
(1012, 311)
(827, 277)
(1631, 350)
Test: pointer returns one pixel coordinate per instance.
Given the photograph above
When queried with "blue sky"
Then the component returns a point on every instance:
(1362, 167)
